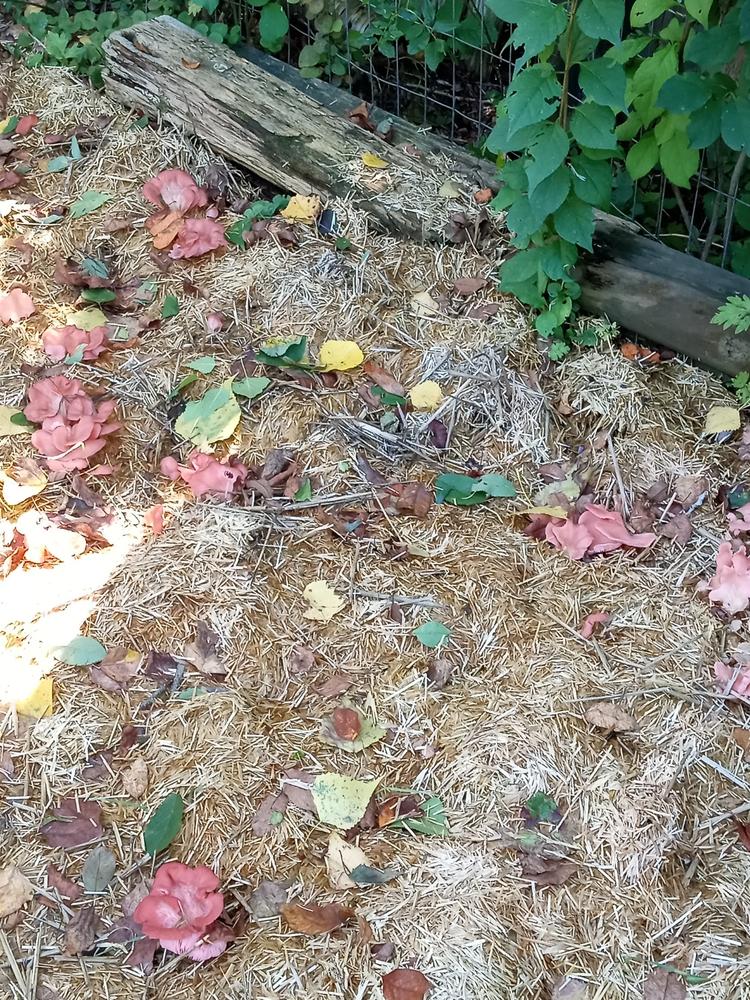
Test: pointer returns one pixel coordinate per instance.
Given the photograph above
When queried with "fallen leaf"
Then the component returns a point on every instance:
(26, 123)
(201, 652)
(39, 702)
(341, 801)
(87, 319)
(164, 825)
(88, 203)
(335, 685)
(269, 813)
(161, 666)
(297, 784)
(12, 422)
(722, 419)
(383, 951)
(373, 161)
(610, 717)
(340, 355)
(664, 985)
(383, 378)
(118, 668)
(77, 824)
(323, 600)
(432, 634)
(742, 738)
(743, 833)
(449, 189)
(426, 396)
(22, 480)
(302, 208)
(546, 871)
(211, 418)
(424, 305)
(341, 859)
(439, 672)
(677, 527)
(190, 63)
(66, 888)
(204, 365)
(268, 899)
(316, 919)
(405, 984)
(135, 778)
(468, 286)
(349, 729)
(98, 869)
(566, 988)
(81, 651)
(15, 305)
(301, 660)
(15, 890)
(80, 933)
(482, 196)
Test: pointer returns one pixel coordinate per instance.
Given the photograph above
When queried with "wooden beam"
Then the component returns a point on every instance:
(295, 133)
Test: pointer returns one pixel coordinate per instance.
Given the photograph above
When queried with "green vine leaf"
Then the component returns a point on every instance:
(735, 124)
(642, 157)
(678, 161)
(711, 50)
(604, 83)
(700, 9)
(601, 19)
(592, 180)
(538, 22)
(546, 152)
(684, 94)
(550, 193)
(574, 221)
(593, 126)
(643, 12)
(533, 97)
(647, 81)
(704, 127)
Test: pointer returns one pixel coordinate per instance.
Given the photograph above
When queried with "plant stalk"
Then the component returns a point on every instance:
(563, 117)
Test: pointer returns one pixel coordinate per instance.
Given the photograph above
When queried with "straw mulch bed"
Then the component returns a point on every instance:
(660, 876)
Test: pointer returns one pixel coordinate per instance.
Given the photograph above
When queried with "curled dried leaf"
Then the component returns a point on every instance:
(405, 984)
(315, 919)
(610, 717)
(80, 933)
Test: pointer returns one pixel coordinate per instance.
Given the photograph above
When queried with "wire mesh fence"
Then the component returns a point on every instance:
(446, 72)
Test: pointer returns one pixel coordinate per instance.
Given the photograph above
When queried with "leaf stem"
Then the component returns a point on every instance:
(563, 117)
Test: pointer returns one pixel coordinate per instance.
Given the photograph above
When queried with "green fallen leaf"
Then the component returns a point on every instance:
(57, 164)
(432, 633)
(388, 398)
(170, 307)
(283, 353)
(342, 243)
(204, 365)
(211, 418)
(454, 488)
(94, 267)
(164, 825)
(83, 651)
(87, 319)
(21, 420)
(190, 694)
(88, 203)
(9, 125)
(187, 381)
(541, 807)
(341, 801)
(305, 491)
(75, 149)
(432, 822)
(258, 210)
(98, 295)
(251, 387)
(495, 486)
(365, 875)
(98, 869)
(76, 357)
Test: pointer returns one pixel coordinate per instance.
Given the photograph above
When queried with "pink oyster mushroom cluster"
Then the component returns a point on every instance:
(596, 530)
(206, 475)
(63, 341)
(73, 428)
(175, 193)
(182, 910)
(730, 584)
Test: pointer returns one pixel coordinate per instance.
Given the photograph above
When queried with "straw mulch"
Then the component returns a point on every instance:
(660, 876)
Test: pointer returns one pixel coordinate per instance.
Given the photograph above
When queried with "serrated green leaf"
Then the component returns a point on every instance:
(678, 161)
(83, 651)
(171, 307)
(341, 801)
(556, 258)
(503, 139)
(712, 49)
(164, 825)
(628, 49)
(558, 349)
(648, 79)
(603, 82)
(533, 97)
(592, 180)
(549, 194)
(251, 387)
(432, 822)
(574, 221)
(523, 218)
(204, 365)
(211, 418)
(432, 634)
(735, 124)
(546, 153)
(88, 203)
(684, 94)
(601, 19)
(538, 22)
(592, 126)
(642, 156)
(645, 11)
(734, 314)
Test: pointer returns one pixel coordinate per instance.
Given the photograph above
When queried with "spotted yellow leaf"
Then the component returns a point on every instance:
(426, 396)
(39, 702)
(720, 419)
(87, 319)
(302, 208)
(323, 600)
(373, 161)
(340, 355)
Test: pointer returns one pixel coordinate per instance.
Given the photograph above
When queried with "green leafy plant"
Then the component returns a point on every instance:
(734, 313)
(741, 385)
(587, 108)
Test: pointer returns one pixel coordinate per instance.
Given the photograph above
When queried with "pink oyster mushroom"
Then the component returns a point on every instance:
(730, 584)
(206, 475)
(174, 190)
(196, 237)
(597, 530)
(63, 341)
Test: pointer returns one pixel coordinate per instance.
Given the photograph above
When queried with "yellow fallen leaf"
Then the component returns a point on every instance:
(302, 208)
(39, 702)
(340, 355)
(722, 418)
(373, 161)
(87, 319)
(424, 305)
(22, 481)
(341, 859)
(550, 511)
(15, 890)
(449, 189)
(323, 600)
(7, 427)
(426, 396)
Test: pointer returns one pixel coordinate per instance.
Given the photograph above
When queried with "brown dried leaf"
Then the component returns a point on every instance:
(77, 824)
(97, 767)
(412, 498)
(383, 378)
(316, 919)
(468, 286)
(161, 666)
(335, 686)
(201, 652)
(268, 899)
(610, 717)
(689, 490)
(120, 225)
(80, 933)
(397, 807)
(135, 778)
(742, 738)
(117, 669)
(383, 951)
(743, 833)
(296, 785)
(301, 660)
(190, 63)
(69, 272)
(439, 672)
(483, 311)
(405, 984)
(663, 985)
(262, 822)
(371, 474)
(566, 988)
(65, 886)
(346, 723)
(546, 871)
(15, 890)
(677, 527)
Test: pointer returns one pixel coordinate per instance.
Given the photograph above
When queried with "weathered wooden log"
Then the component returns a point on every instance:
(295, 133)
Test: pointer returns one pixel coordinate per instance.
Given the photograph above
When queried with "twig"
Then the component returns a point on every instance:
(712, 227)
(421, 602)
(734, 184)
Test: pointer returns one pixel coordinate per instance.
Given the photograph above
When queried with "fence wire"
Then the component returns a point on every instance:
(710, 219)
